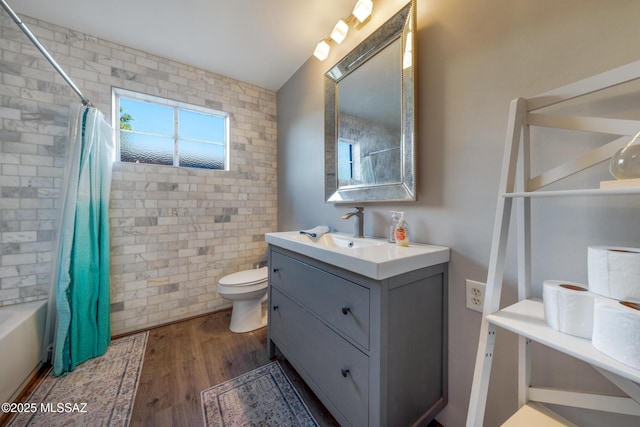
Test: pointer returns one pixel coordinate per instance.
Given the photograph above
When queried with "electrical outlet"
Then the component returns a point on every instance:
(475, 294)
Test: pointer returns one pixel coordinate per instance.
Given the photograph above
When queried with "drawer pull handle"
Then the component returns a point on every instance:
(275, 308)
(345, 310)
(344, 372)
(275, 270)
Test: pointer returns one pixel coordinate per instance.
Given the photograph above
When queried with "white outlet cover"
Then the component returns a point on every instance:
(475, 300)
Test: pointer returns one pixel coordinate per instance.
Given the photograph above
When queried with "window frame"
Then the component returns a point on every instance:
(118, 93)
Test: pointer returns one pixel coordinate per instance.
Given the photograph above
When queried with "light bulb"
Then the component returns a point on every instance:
(362, 10)
(340, 31)
(322, 50)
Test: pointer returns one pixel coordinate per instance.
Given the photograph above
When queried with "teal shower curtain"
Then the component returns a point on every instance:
(82, 286)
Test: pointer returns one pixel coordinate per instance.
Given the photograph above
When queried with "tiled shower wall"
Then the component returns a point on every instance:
(174, 231)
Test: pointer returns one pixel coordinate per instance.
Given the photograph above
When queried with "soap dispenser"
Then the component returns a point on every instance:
(402, 231)
(392, 226)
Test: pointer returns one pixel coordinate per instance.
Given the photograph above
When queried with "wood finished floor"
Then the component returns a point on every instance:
(184, 358)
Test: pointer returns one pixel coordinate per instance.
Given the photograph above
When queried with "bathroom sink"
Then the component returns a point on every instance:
(370, 257)
(335, 240)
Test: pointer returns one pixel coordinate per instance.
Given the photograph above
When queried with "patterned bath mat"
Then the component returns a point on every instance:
(100, 392)
(262, 397)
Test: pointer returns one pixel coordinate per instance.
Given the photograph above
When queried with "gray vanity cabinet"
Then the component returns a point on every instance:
(373, 351)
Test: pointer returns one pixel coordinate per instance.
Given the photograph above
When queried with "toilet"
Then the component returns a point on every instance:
(247, 289)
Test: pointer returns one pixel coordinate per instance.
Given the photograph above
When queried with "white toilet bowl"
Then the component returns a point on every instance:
(247, 289)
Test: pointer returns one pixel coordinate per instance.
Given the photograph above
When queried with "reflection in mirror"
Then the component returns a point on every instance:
(369, 108)
(369, 121)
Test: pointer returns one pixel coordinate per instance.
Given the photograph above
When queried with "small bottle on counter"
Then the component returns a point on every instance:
(392, 226)
(402, 231)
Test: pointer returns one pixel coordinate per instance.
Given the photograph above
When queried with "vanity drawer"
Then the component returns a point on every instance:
(339, 302)
(323, 356)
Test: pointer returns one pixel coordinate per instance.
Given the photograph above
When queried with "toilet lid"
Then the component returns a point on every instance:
(246, 277)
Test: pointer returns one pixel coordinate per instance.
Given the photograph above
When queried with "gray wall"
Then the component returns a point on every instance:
(474, 58)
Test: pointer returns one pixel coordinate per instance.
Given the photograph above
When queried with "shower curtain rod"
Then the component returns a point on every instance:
(34, 40)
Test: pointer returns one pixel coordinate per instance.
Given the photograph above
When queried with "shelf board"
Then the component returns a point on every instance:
(535, 415)
(567, 193)
(526, 318)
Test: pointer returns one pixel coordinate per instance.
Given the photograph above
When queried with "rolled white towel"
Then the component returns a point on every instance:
(316, 231)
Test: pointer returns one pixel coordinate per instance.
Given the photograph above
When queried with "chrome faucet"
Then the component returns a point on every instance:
(359, 225)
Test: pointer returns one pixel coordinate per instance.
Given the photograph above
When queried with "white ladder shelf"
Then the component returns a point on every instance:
(526, 317)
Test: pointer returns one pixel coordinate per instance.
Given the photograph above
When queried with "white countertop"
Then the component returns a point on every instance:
(376, 261)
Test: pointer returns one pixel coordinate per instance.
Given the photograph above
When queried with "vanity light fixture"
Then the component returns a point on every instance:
(340, 31)
(322, 50)
(361, 13)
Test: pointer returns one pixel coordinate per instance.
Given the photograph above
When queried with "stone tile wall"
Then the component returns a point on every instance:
(174, 231)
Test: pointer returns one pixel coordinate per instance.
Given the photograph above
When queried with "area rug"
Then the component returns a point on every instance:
(262, 397)
(100, 392)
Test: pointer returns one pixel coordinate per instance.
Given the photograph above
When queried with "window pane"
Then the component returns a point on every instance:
(345, 160)
(195, 125)
(195, 154)
(345, 152)
(148, 117)
(344, 171)
(135, 147)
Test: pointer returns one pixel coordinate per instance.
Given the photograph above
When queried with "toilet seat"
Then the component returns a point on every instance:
(245, 278)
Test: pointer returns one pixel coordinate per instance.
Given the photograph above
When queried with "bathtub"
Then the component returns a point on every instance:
(21, 332)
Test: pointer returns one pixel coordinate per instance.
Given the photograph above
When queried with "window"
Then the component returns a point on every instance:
(350, 162)
(164, 132)
(345, 159)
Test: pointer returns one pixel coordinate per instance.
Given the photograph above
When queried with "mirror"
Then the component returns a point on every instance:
(369, 111)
